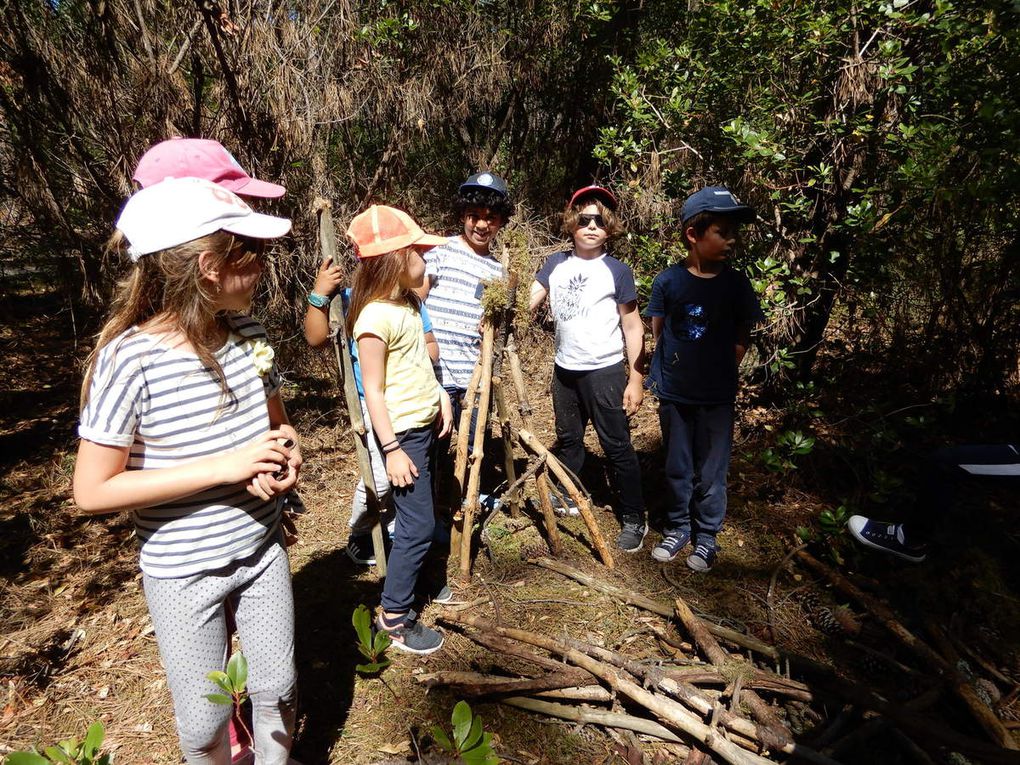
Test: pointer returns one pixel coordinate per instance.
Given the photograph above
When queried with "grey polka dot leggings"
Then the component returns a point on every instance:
(189, 617)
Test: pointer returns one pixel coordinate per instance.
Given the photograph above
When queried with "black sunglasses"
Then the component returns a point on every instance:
(583, 221)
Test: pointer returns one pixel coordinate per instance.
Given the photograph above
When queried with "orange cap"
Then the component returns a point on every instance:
(381, 229)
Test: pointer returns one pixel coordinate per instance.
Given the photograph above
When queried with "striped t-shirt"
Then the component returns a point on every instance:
(457, 274)
(168, 408)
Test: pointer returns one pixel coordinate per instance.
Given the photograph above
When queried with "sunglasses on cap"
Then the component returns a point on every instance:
(583, 220)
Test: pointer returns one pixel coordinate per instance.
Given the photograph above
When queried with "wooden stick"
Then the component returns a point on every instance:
(667, 709)
(532, 444)
(675, 685)
(476, 684)
(642, 601)
(513, 497)
(457, 488)
(342, 351)
(477, 452)
(719, 658)
(542, 480)
(591, 693)
(980, 711)
(595, 717)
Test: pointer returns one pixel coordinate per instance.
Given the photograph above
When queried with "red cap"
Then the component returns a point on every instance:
(200, 158)
(600, 192)
(381, 229)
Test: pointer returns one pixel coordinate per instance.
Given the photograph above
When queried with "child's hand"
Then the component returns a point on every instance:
(445, 422)
(400, 469)
(633, 394)
(328, 278)
(266, 454)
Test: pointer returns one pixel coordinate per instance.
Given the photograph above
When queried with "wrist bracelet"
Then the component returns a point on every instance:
(390, 451)
(317, 300)
(388, 443)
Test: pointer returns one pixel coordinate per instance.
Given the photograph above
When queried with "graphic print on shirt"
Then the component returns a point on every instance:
(568, 302)
(690, 322)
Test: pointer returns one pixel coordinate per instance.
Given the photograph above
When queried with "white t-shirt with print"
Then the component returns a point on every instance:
(585, 296)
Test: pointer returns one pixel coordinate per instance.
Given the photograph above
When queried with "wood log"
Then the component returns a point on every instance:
(697, 700)
(532, 444)
(590, 693)
(342, 351)
(648, 604)
(477, 452)
(552, 533)
(595, 717)
(512, 497)
(762, 712)
(667, 709)
(959, 684)
(457, 489)
(476, 684)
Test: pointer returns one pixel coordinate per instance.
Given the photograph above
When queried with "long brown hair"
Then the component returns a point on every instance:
(378, 278)
(168, 286)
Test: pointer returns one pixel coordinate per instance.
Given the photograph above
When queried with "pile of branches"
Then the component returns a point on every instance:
(712, 702)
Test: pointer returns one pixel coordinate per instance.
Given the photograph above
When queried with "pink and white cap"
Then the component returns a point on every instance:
(179, 210)
(200, 158)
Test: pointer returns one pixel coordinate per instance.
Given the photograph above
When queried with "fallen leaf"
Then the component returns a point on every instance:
(403, 746)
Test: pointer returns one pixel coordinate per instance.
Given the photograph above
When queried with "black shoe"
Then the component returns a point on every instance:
(632, 536)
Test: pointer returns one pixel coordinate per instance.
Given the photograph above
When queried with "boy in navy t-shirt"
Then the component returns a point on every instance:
(593, 300)
(702, 312)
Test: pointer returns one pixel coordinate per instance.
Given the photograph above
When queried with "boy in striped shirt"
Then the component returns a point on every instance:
(455, 274)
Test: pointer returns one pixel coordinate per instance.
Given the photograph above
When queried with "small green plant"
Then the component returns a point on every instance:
(372, 647)
(833, 522)
(234, 684)
(789, 444)
(470, 743)
(69, 752)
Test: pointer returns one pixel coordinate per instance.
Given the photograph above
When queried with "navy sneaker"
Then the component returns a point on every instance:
(885, 536)
(411, 635)
(632, 536)
(702, 558)
(670, 546)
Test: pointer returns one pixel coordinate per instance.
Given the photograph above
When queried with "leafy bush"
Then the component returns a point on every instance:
(371, 647)
(68, 752)
(469, 742)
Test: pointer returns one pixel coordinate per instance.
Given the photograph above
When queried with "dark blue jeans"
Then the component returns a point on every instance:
(597, 395)
(697, 439)
(415, 523)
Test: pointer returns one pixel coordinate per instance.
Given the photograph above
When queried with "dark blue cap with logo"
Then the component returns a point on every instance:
(715, 199)
(487, 181)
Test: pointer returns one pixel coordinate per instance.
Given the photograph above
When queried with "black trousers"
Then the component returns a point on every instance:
(596, 395)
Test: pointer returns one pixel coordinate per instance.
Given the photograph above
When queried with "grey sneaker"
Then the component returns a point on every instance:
(632, 536)
(445, 595)
(702, 558)
(670, 546)
(411, 635)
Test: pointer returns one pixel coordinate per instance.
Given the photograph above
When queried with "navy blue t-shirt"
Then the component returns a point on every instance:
(694, 360)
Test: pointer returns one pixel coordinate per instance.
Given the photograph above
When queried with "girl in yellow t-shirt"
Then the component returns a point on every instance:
(405, 401)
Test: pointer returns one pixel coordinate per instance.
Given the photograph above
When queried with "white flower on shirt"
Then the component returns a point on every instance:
(262, 355)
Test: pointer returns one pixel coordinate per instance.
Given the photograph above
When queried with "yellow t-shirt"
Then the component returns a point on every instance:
(410, 388)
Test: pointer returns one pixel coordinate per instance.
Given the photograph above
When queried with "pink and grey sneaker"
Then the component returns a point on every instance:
(409, 634)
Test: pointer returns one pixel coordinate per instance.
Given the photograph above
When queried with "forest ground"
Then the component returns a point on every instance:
(76, 643)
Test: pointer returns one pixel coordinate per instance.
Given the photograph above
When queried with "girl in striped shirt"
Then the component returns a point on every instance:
(182, 425)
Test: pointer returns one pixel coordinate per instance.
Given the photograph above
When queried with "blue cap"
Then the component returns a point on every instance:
(715, 199)
(487, 181)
